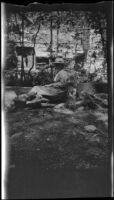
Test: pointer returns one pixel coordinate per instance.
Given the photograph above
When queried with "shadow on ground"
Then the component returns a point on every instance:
(55, 155)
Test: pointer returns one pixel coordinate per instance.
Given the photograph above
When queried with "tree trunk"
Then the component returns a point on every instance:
(33, 57)
(29, 73)
(51, 43)
(22, 61)
(58, 27)
(75, 52)
(57, 38)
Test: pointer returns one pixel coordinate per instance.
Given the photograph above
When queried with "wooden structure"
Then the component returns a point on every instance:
(27, 51)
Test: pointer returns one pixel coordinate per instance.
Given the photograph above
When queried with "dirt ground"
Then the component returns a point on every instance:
(55, 155)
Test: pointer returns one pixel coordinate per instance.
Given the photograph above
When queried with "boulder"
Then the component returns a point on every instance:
(90, 128)
(81, 108)
(9, 99)
(47, 105)
(42, 95)
(92, 88)
(49, 92)
(102, 95)
(61, 108)
(34, 103)
(20, 101)
(91, 101)
(101, 116)
(60, 105)
(79, 103)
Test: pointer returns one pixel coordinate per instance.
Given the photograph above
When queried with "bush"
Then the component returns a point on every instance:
(11, 57)
(42, 78)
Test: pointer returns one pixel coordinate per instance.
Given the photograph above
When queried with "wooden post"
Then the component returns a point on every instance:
(34, 60)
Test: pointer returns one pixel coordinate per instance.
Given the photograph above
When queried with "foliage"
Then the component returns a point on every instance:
(42, 78)
(10, 78)
(98, 22)
(11, 57)
(78, 23)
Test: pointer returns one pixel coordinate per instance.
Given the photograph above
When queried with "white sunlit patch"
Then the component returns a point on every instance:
(4, 139)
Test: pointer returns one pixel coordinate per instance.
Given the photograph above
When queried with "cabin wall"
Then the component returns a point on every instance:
(28, 61)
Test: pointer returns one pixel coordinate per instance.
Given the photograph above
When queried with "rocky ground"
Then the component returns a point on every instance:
(57, 139)
(70, 146)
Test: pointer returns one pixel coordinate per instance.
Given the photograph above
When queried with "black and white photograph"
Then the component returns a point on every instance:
(57, 86)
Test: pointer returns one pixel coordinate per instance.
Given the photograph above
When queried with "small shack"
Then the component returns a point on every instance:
(27, 52)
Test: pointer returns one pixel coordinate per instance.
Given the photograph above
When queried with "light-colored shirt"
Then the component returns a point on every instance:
(92, 68)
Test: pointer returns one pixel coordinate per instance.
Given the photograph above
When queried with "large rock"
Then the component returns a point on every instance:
(102, 95)
(101, 116)
(81, 108)
(92, 88)
(61, 108)
(9, 99)
(90, 128)
(48, 92)
(35, 103)
(42, 96)
(20, 101)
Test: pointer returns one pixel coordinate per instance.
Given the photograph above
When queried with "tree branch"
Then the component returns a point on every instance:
(34, 43)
